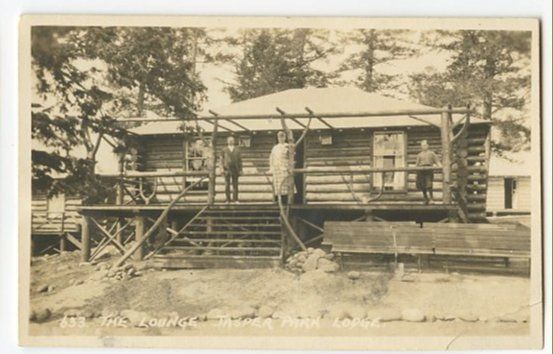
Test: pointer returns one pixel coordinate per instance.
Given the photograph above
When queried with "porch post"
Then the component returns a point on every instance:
(119, 197)
(85, 238)
(139, 235)
(212, 166)
(446, 154)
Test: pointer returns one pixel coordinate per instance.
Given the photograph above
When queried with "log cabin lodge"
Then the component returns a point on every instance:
(354, 160)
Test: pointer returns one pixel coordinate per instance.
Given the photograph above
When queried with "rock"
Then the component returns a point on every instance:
(339, 314)
(327, 266)
(79, 282)
(72, 313)
(506, 319)
(446, 317)
(320, 252)
(482, 319)
(310, 263)
(51, 288)
(354, 275)
(413, 315)
(242, 312)
(86, 264)
(265, 311)
(71, 282)
(134, 317)
(32, 316)
(329, 256)
(384, 315)
(310, 250)
(215, 314)
(468, 317)
(42, 315)
(42, 288)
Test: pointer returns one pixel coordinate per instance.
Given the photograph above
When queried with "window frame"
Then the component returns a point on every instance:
(404, 187)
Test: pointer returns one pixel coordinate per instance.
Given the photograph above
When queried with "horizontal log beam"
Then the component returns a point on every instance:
(361, 114)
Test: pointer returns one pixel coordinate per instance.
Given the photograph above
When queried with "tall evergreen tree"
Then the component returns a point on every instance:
(275, 60)
(488, 69)
(374, 47)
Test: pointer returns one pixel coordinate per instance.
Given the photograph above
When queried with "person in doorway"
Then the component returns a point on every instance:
(279, 167)
(425, 179)
(231, 166)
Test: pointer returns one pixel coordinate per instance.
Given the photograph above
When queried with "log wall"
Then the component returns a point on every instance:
(44, 223)
(349, 148)
(168, 153)
(353, 148)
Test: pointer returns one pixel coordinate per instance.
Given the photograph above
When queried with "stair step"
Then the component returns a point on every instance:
(226, 240)
(211, 261)
(227, 249)
(247, 217)
(236, 225)
(252, 232)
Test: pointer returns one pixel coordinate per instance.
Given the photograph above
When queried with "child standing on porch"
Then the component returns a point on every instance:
(425, 179)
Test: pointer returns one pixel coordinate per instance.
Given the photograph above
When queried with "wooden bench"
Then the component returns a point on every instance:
(484, 240)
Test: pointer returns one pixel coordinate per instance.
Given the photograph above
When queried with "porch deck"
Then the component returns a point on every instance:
(121, 210)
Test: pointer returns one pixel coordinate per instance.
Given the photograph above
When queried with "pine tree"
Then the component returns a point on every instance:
(277, 60)
(375, 47)
(488, 69)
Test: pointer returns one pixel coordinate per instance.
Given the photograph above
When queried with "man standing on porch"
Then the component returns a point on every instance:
(425, 179)
(231, 165)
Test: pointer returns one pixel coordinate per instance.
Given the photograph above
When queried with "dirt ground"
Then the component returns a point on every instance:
(80, 300)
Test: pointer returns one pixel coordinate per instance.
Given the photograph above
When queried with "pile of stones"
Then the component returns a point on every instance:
(310, 260)
(123, 272)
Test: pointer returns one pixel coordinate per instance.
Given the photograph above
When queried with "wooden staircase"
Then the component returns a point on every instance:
(226, 236)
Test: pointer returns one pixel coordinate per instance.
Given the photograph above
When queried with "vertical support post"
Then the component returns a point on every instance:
(446, 154)
(85, 238)
(212, 167)
(63, 243)
(62, 234)
(119, 198)
(139, 235)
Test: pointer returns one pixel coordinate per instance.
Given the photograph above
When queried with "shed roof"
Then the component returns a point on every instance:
(333, 100)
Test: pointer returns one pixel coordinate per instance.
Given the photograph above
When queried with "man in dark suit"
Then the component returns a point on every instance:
(231, 165)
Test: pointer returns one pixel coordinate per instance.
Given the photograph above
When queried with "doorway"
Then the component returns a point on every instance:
(510, 189)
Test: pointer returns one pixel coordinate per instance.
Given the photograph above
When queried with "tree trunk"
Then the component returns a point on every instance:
(140, 99)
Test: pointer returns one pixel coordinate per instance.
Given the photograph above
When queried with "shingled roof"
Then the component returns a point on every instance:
(319, 100)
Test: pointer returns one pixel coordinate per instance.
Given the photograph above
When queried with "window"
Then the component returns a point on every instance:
(198, 158)
(389, 152)
(56, 205)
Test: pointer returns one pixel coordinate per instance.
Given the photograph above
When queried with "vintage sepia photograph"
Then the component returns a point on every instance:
(324, 183)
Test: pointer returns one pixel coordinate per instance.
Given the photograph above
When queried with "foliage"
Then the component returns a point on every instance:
(487, 69)
(152, 68)
(274, 60)
(83, 79)
(375, 47)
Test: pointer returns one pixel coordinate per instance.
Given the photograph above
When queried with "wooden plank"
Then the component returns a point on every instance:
(242, 262)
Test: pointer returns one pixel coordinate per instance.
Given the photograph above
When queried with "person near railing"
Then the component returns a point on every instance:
(279, 167)
(425, 178)
(231, 166)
